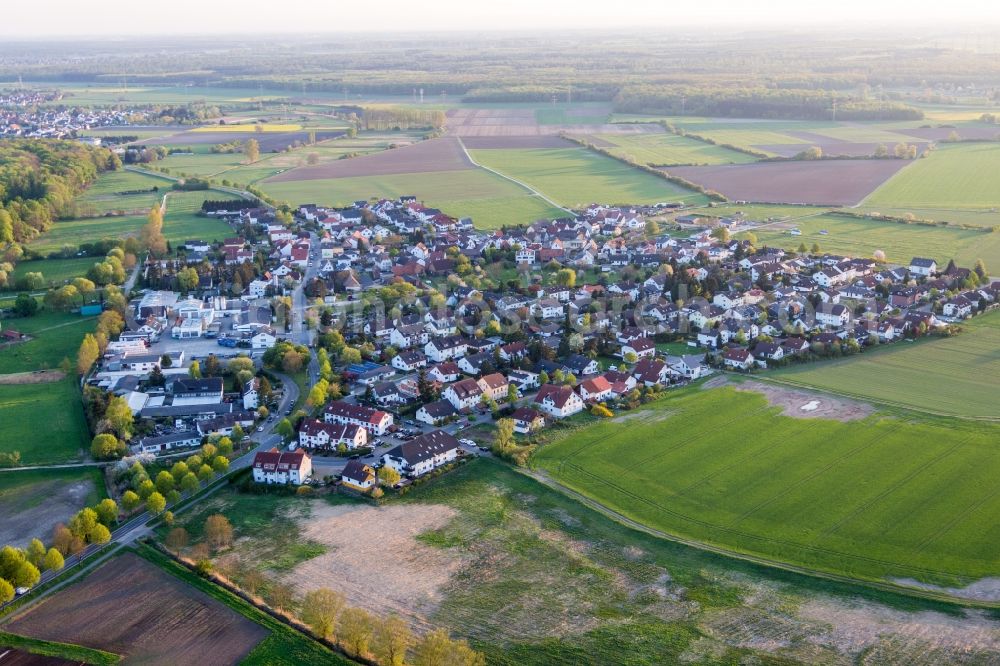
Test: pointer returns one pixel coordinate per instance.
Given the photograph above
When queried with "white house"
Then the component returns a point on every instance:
(251, 394)
(463, 394)
(375, 421)
(358, 476)
(527, 420)
(446, 348)
(921, 266)
(740, 359)
(285, 468)
(319, 434)
(436, 413)
(558, 401)
(422, 454)
(833, 315)
(494, 385)
(595, 389)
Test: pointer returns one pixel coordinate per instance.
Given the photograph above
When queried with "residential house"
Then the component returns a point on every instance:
(436, 413)
(463, 394)
(358, 476)
(423, 454)
(527, 420)
(283, 468)
(558, 401)
(315, 434)
(374, 420)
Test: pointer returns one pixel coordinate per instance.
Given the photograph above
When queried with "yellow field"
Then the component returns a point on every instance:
(248, 127)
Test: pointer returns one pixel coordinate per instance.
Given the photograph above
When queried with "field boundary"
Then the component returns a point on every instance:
(895, 588)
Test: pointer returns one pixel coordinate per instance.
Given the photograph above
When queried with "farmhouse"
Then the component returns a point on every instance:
(283, 468)
(423, 454)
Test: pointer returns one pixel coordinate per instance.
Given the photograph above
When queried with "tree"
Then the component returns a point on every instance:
(87, 355)
(25, 305)
(178, 470)
(119, 416)
(107, 511)
(391, 639)
(106, 446)
(25, 575)
(503, 439)
(190, 482)
(980, 269)
(151, 235)
(218, 531)
(355, 629)
(195, 370)
(99, 534)
(156, 503)
(53, 560)
(206, 473)
(130, 501)
(164, 482)
(6, 591)
(187, 279)
(35, 552)
(220, 464)
(720, 233)
(83, 523)
(566, 277)
(252, 150)
(177, 538)
(881, 151)
(388, 476)
(320, 610)
(285, 429)
(225, 445)
(437, 649)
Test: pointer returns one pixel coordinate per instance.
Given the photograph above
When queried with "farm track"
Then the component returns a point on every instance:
(895, 588)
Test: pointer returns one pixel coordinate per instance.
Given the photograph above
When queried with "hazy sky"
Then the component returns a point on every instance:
(123, 17)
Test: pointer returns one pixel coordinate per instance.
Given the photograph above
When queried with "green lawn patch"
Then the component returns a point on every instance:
(76, 653)
(56, 272)
(671, 149)
(107, 193)
(957, 376)
(875, 498)
(44, 422)
(55, 336)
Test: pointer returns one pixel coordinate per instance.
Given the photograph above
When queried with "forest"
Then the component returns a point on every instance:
(39, 179)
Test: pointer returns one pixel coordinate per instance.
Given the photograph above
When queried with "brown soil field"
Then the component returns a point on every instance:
(370, 546)
(34, 510)
(130, 607)
(515, 142)
(443, 154)
(801, 404)
(14, 657)
(835, 148)
(40, 377)
(523, 123)
(270, 142)
(821, 183)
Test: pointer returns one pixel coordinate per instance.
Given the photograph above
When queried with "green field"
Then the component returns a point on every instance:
(103, 195)
(490, 200)
(200, 164)
(671, 149)
(182, 223)
(575, 177)
(86, 230)
(55, 271)
(877, 498)
(860, 238)
(44, 422)
(959, 375)
(955, 176)
(55, 336)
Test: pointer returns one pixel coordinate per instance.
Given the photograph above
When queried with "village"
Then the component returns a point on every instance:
(422, 332)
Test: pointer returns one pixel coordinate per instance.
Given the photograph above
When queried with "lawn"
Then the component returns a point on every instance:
(876, 498)
(955, 176)
(85, 230)
(44, 422)
(104, 194)
(860, 238)
(55, 271)
(490, 200)
(671, 149)
(182, 223)
(55, 336)
(575, 177)
(959, 375)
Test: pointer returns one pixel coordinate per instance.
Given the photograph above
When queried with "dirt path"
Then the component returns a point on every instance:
(37, 377)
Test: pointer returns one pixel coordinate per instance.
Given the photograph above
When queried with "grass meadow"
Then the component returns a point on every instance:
(957, 376)
(83, 230)
(55, 336)
(490, 200)
(182, 222)
(671, 149)
(55, 271)
(103, 196)
(575, 177)
(877, 498)
(44, 422)
(860, 238)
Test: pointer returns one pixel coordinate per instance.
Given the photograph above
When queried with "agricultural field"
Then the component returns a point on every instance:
(270, 142)
(33, 502)
(819, 183)
(956, 376)
(531, 576)
(488, 199)
(953, 177)
(181, 221)
(99, 612)
(200, 163)
(54, 337)
(667, 149)
(44, 422)
(524, 120)
(861, 238)
(434, 155)
(575, 177)
(84, 230)
(869, 495)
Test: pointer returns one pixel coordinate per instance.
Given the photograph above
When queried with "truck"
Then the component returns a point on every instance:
(227, 342)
